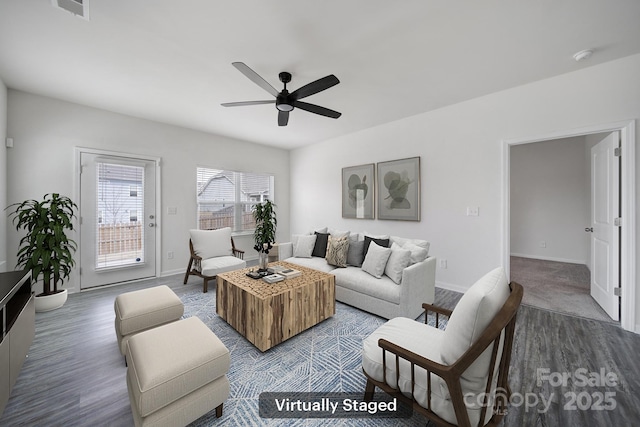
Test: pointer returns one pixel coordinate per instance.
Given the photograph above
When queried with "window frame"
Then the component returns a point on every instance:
(238, 205)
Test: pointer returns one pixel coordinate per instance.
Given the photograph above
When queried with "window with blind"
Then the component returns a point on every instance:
(120, 208)
(225, 198)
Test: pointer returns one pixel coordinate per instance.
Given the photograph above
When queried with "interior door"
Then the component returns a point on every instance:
(605, 236)
(117, 219)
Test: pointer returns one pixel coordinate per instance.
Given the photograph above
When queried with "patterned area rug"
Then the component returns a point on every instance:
(325, 358)
(557, 286)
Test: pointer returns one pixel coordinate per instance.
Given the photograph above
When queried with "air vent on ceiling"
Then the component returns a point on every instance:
(77, 7)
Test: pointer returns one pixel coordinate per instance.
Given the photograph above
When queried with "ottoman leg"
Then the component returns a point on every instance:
(219, 411)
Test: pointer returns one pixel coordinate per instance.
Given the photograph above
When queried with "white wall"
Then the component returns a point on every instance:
(46, 131)
(461, 151)
(550, 200)
(3, 178)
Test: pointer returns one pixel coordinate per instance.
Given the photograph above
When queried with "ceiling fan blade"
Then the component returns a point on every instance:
(255, 77)
(312, 108)
(243, 103)
(315, 87)
(283, 118)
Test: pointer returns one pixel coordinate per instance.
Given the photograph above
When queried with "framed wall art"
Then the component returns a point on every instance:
(358, 191)
(399, 189)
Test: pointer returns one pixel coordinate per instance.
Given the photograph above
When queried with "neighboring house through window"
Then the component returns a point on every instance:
(225, 198)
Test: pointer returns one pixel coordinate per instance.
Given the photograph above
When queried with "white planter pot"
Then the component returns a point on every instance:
(50, 302)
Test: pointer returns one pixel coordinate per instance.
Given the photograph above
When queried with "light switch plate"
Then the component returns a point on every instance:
(473, 211)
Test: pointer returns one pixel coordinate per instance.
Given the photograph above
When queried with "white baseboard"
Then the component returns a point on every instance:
(172, 272)
(3, 266)
(545, 258)
(451, 287)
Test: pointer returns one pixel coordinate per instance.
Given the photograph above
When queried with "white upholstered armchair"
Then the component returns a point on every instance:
(212, 252)
(458, 376)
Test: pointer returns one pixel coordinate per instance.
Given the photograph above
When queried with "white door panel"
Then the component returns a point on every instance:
(605, 238)
(118, 228)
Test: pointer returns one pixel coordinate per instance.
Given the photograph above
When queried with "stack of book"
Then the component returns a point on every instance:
(273, 278)
(290, 273)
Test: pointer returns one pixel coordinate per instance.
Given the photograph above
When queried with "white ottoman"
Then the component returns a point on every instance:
(140, 310)
(176, 373)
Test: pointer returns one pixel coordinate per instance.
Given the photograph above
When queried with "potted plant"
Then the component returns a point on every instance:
(45, 249)
(265, 232)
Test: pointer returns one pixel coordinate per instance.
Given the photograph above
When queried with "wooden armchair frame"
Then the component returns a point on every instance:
(505, 321)
(195, 265)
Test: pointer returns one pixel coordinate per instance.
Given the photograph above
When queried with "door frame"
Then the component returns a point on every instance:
(78, 151)
(627, 197)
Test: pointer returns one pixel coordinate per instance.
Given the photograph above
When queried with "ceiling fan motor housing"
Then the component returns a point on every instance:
(283, 103)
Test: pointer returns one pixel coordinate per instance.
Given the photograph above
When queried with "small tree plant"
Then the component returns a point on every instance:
(45, 249)
(266, 222)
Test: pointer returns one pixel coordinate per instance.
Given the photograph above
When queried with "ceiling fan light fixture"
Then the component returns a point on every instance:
(283, 106)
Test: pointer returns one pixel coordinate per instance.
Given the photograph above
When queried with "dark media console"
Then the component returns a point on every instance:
(17, 311)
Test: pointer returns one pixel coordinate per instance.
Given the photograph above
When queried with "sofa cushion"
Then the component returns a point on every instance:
(339, 234)
(471, 316)
(303, 245)
(356, 280)
(337, 251)
(375, 260)
(320, 247)
(355, 253)
(398, 260)
(316, 263)
(368, 239)
(403, 241)
(418, 253)
(211, 243)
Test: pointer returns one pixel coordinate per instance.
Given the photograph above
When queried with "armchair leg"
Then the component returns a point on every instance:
(368, 391)
(186, 275)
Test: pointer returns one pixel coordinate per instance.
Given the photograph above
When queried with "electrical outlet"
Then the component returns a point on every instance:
(170, 255)
(543, 244)
(443, 264)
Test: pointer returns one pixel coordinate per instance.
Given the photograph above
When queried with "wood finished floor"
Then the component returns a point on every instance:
(75, 375)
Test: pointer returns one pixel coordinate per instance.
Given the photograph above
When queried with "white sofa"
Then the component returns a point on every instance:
(413, 285)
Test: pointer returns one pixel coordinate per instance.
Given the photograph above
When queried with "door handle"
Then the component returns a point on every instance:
(589, 229)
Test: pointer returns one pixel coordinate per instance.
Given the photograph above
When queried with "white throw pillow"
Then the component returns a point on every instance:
(418, 254)
(338, 234)
(303, 245)
(211, 243)
(398, 260)
(376, 260)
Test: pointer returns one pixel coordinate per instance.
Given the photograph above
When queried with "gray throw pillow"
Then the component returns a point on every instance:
(355, 253)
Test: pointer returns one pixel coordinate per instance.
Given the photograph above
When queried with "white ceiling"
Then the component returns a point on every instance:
(170, 61)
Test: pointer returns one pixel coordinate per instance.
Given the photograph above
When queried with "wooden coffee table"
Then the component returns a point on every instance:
(268, 314)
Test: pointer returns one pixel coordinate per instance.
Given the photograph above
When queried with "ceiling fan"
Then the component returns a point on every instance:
(285, 101)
